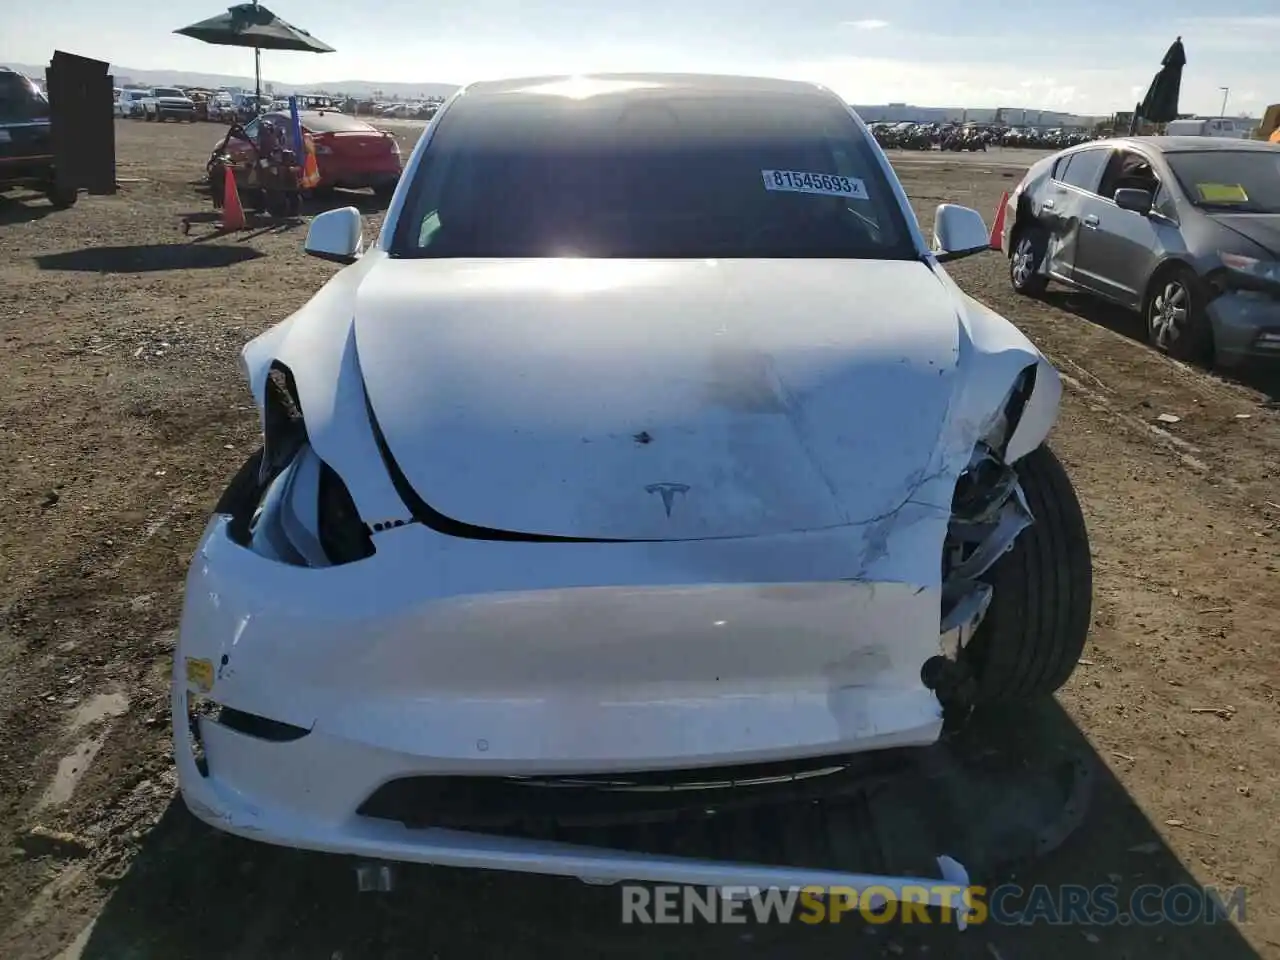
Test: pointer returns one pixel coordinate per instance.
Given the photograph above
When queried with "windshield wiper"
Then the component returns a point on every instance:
(1233, 208)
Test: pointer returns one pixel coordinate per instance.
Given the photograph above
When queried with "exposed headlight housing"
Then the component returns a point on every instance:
(284, 430)
(307, 517)
(301, 512)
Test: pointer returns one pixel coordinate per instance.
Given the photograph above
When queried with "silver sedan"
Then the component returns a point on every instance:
(1184, 230)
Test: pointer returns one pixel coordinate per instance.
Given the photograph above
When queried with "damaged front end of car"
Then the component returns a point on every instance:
(988, 513)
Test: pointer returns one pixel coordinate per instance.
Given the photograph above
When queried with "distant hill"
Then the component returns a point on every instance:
(186, 78)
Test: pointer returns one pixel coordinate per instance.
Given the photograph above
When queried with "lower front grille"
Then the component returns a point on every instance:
(600, 800)
(814, 814)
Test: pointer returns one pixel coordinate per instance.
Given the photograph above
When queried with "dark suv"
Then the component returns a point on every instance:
(26, 150)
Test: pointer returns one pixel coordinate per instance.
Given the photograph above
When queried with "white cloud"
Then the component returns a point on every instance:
(865, 24)
(1099, 90)
(1227, 34)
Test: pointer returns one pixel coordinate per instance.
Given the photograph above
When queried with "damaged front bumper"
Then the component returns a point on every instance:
(304, 699)
(443, 658)
(230, 800)
(1246, 325)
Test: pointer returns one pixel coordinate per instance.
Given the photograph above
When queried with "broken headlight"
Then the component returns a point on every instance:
(308, 518)
(343, 535)
(304, 515)
(284, 429)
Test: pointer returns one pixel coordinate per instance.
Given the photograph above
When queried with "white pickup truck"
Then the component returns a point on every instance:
(168, 103)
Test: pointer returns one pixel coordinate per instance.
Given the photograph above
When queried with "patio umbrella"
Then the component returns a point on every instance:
(1160, 105)
(253, 25)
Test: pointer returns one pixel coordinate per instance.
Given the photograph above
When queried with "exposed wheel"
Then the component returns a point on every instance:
(1030, 245)
(148, 117)
(1175, 314)
(384, 193)
(1042, 593)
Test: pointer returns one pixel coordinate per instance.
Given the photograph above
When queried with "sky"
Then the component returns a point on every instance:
(1082, 56)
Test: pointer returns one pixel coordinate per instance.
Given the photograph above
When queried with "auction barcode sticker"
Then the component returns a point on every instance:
(826, 184)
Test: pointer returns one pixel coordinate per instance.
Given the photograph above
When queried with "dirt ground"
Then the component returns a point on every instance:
(124, 413)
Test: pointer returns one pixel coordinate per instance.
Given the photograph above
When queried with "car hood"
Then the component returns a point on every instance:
(1262, 228)
(655, 400)
(176, 101)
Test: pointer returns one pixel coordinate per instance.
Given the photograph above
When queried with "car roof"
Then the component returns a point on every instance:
(1188, 144)
(621, 84)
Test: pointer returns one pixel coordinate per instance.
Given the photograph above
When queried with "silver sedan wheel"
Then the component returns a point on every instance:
(1024, 261)
(1169, 313)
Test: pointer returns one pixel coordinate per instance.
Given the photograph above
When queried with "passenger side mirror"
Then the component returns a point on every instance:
(958, 232)
(1139, 201)
(336, 236)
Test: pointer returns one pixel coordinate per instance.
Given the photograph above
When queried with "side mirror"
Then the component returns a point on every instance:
(958, 232)
(1139, 201)
(336, 235)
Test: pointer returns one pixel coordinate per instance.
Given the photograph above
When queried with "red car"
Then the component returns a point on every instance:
(349, 152)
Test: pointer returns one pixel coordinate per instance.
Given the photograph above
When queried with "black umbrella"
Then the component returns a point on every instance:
(253, 25)
(1160, 105)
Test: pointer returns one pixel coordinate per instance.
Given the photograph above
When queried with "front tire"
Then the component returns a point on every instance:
(1042, 593)
(1030, 244)
(1176, 319)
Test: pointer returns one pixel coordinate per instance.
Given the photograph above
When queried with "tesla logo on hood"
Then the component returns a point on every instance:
(668, 492)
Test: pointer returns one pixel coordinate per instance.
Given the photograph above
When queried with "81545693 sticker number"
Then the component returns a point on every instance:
(826, 184)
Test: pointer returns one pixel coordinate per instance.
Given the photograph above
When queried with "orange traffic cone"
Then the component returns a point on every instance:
(310, 168)
(997, 228)
(232, 212)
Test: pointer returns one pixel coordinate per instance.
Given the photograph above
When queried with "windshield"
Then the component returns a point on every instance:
(654, 174)
(20, 99)
(1241, 181)
(169, 92)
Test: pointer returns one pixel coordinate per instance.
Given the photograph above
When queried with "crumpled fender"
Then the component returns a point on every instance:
(321, 354)
(992, 345)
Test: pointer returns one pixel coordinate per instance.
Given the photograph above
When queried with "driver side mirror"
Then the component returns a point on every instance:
(958, 232)
(1139, 201)
(336, 236)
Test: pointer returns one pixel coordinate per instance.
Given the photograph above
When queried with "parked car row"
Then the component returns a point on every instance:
(190, 105)
(926, 136)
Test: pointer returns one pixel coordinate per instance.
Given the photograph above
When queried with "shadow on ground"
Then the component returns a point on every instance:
(194, 893)
(148, 258)
(24, 208)
(1258, 375)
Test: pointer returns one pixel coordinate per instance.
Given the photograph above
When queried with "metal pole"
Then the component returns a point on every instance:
(1226, 91)
(257, 75)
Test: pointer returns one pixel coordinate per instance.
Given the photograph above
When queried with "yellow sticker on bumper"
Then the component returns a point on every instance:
(1222, 193)
(200, 674)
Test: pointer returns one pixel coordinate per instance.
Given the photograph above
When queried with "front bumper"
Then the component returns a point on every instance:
(357, 179)
(1246, 325)
(441, 657)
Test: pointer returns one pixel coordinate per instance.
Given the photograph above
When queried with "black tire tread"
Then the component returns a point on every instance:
(1042, 600)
